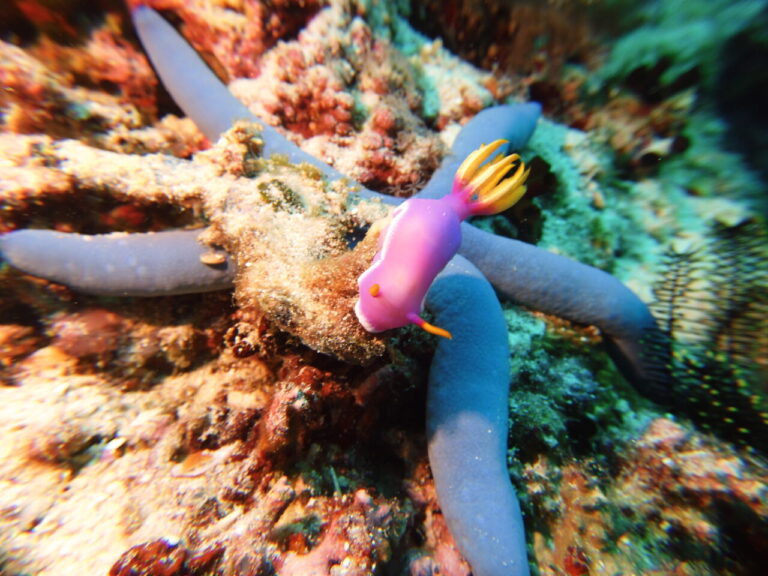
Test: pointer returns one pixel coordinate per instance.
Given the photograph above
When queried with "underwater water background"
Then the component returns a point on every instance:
(212, 434)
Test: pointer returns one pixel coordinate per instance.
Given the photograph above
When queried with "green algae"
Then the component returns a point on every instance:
(573, 224)
(707, 167)
(564, 383)
(681, 36)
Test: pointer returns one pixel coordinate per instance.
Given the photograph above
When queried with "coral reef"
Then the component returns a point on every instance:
(197, 435)
(354, 99)
(673, 487)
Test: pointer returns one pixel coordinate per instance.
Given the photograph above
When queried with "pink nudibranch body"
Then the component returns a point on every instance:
(422, 236)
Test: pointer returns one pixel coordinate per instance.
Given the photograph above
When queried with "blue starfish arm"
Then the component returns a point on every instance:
(151, 264)
(467, 423)
(192, 84)
(557, 285)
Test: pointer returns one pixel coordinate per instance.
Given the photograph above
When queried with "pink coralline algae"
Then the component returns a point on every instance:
(107, 61)
(161, 558)
(351, 97)
(310, 99)
(34, 97)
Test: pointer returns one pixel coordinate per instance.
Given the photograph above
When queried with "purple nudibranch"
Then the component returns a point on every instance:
(423, 234)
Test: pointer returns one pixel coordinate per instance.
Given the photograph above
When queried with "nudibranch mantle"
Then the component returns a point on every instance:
(422, 236)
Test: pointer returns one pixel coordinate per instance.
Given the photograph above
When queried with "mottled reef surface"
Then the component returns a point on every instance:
(262, 430)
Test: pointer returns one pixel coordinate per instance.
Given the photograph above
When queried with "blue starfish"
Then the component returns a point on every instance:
(469, 377)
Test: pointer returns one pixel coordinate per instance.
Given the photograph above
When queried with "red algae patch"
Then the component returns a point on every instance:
(670, 489)
(233, 36)
(325, 86)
